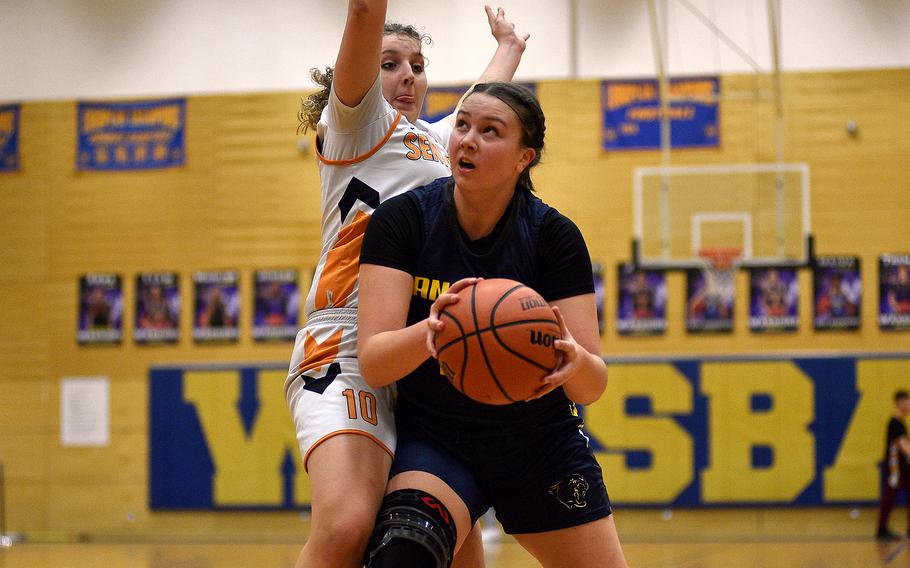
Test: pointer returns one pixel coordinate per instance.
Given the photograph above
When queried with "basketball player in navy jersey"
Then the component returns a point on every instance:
(457, 457)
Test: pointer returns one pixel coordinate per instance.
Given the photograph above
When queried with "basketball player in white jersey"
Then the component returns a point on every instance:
(371, 146)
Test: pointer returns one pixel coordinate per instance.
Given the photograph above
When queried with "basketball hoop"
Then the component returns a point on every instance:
(719, 270)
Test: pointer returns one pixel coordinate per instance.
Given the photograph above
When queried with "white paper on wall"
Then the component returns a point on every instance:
(85, 418)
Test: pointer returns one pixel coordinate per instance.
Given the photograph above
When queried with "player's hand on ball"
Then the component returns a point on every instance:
(434, 323)
(569, 360)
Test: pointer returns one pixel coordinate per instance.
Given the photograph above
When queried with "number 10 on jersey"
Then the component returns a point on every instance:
(367, 405)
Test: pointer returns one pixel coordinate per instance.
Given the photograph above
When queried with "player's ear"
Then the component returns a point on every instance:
(527, 158)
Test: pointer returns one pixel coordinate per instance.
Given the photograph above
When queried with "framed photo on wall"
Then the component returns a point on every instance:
(642, 303)
(837, 293)
(894, 291)
(597, 273)
(100, 309)
(216, 309)
(276, 305)
(773, 299)
(157, 307)
(710, 295)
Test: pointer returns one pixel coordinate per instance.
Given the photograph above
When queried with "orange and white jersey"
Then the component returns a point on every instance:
(367, 154)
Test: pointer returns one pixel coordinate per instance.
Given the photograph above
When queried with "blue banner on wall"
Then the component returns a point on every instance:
(9, 138)
(792, 431)
(440, 102)
(631, 113)
(131, 136)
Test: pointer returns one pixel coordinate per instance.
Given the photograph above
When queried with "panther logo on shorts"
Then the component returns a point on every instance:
(571, 491)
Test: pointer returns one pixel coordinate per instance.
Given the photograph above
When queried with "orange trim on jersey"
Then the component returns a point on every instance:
(315, 354)
(342, 265)
(339, 432)
(361, 157)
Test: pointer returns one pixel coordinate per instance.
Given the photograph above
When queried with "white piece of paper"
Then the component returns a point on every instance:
(85, 411)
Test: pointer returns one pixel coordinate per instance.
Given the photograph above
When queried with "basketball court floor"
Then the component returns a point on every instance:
(743, 538)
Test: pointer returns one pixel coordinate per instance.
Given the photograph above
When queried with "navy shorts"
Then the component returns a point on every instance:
(536, 482)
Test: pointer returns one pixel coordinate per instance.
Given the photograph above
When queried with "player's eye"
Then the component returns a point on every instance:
(388, 65)
(417, 68)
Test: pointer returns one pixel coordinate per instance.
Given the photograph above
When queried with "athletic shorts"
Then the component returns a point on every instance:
(325, 392)
(536, 482)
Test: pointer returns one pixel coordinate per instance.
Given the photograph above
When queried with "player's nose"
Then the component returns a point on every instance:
(469, 140)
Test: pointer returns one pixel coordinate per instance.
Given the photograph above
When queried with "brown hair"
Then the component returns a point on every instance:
(312, 106)
(533, 124)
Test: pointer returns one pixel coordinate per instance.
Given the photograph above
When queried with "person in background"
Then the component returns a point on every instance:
(896, 465)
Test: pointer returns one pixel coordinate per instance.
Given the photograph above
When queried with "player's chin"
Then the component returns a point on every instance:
(410, 110)
(464, 177)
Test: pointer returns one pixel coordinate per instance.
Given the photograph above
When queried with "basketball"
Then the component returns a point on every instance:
(498, 341)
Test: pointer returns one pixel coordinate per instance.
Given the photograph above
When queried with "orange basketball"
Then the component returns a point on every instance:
(498, 341)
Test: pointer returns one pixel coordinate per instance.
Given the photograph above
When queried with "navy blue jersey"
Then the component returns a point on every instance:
(896, 430)
(533, 243)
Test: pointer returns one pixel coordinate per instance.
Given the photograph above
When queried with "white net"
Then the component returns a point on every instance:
(719, 271)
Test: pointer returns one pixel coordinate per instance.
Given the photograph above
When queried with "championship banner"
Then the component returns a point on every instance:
(276, 311)
(709, 300)
(157, 308)
(631, 113)
(894, 291)
(440, 102)
(131, 136)
(9, 138)
(712, 432)
(838, 292)
(773, 299)
(100, 309)
(216, 309)
(642, 305)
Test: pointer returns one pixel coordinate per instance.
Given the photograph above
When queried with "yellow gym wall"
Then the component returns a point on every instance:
(247, 199)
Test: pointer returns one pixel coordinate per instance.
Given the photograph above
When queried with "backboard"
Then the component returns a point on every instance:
(760, 209)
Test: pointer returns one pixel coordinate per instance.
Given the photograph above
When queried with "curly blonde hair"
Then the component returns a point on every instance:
(312, 106)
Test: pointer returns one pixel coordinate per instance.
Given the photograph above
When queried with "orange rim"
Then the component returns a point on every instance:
(721, 258)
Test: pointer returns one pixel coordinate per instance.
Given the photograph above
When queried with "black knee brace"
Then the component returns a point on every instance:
(412, 527)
